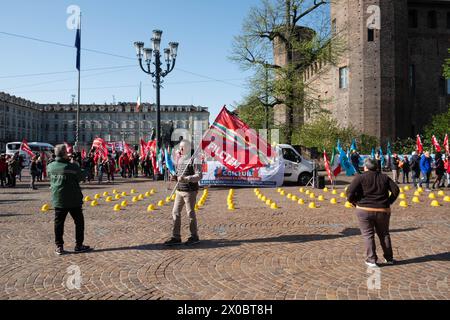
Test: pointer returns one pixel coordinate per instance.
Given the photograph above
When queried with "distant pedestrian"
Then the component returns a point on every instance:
(355, 160)
(34, 172)
(373, 193)
(415, 168)
(67, 198)
(425, 168)
(439, 169)
(3, 170)
(405, 166)
(447, 170)
(395, 161)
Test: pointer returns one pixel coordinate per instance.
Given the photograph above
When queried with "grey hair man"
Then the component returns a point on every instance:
(373, 193)
(188, 175)
(67, 198)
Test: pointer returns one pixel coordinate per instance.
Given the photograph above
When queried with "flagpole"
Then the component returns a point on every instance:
(139, 112)
(78, 104)
(190, 160)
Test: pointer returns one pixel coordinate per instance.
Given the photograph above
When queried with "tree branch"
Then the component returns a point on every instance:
(311, 9)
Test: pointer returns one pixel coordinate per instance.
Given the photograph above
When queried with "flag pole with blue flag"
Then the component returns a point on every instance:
(78, 66)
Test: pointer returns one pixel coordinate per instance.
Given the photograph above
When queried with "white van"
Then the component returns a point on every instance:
(36, 147)
(297, 169)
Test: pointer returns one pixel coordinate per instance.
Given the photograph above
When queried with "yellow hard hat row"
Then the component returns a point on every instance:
(269, 202)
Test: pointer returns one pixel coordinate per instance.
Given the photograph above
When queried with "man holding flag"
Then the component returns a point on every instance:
(188, 175)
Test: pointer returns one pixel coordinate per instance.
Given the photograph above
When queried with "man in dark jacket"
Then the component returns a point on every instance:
(369, 192)
(415, 168)
(188, 176)
(67, 198)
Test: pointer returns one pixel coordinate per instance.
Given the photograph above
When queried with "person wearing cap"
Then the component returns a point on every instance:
(373, 193)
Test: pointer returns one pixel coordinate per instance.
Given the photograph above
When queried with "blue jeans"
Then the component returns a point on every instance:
(426, 179)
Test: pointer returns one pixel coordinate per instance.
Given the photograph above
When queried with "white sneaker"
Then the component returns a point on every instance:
(371, 264)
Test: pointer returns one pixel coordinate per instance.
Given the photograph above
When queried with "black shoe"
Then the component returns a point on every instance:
(389, 262)
(192, 240)
(172, 242)
(60, 250)
(80, 249)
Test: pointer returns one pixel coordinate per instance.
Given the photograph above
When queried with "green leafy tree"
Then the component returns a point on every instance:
(447, 67)
(275, 24)
(324, 132)
(439, 126)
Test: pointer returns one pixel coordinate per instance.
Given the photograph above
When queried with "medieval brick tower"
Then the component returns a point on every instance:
(388, 83)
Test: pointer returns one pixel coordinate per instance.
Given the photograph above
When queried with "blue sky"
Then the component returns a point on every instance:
(204, 29)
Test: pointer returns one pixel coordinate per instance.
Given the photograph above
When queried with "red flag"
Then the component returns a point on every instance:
(419, 146)
(327, 166)
(127, 149)
(69, 148)
(435, 143)
(446, 147)
(26, 148)
(83, 154)
(144, 148)
(101, 147)
(233, 143)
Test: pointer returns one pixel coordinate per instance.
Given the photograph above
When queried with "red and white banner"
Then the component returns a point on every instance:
(446, 146)
(101, 148)
(234, 144)
(26, 148)
(435, 143)
(69, 148)
(327, 166)
(419, 146)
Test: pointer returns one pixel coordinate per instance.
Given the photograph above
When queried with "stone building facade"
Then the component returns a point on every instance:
(389, 81)
(56, 123)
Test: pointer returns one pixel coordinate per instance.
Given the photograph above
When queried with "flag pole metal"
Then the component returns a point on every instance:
(78, 103)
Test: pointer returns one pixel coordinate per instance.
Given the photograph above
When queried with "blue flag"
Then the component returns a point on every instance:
(353, 147)
(389, 152)
(345, 162)
(78, 46)
(169, 162)
(383, 160)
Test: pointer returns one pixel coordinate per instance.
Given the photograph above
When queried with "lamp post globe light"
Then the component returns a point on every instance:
(145, 57)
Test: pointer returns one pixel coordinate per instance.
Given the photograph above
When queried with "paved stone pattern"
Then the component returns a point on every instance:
(253, 252)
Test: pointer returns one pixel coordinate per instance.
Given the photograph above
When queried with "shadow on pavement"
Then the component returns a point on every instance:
(223, 243)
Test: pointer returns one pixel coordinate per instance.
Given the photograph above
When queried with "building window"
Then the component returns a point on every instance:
(412, 78)
(412, 19)
(370, 35)
(343, 77)
(333, 27)
(432, 19)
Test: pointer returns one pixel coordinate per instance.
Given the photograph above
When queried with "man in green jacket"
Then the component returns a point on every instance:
(67, 198)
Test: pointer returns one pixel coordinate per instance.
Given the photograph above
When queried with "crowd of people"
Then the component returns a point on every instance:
(11, 167)
(417, 169)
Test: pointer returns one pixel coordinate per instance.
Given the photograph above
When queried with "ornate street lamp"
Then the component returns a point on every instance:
(145, 56)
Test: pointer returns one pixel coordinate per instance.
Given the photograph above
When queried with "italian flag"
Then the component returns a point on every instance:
(335, 163)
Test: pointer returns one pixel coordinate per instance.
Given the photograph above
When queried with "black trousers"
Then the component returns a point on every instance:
(60, 218)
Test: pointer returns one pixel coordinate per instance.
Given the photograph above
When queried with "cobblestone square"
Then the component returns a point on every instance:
(253, 252)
